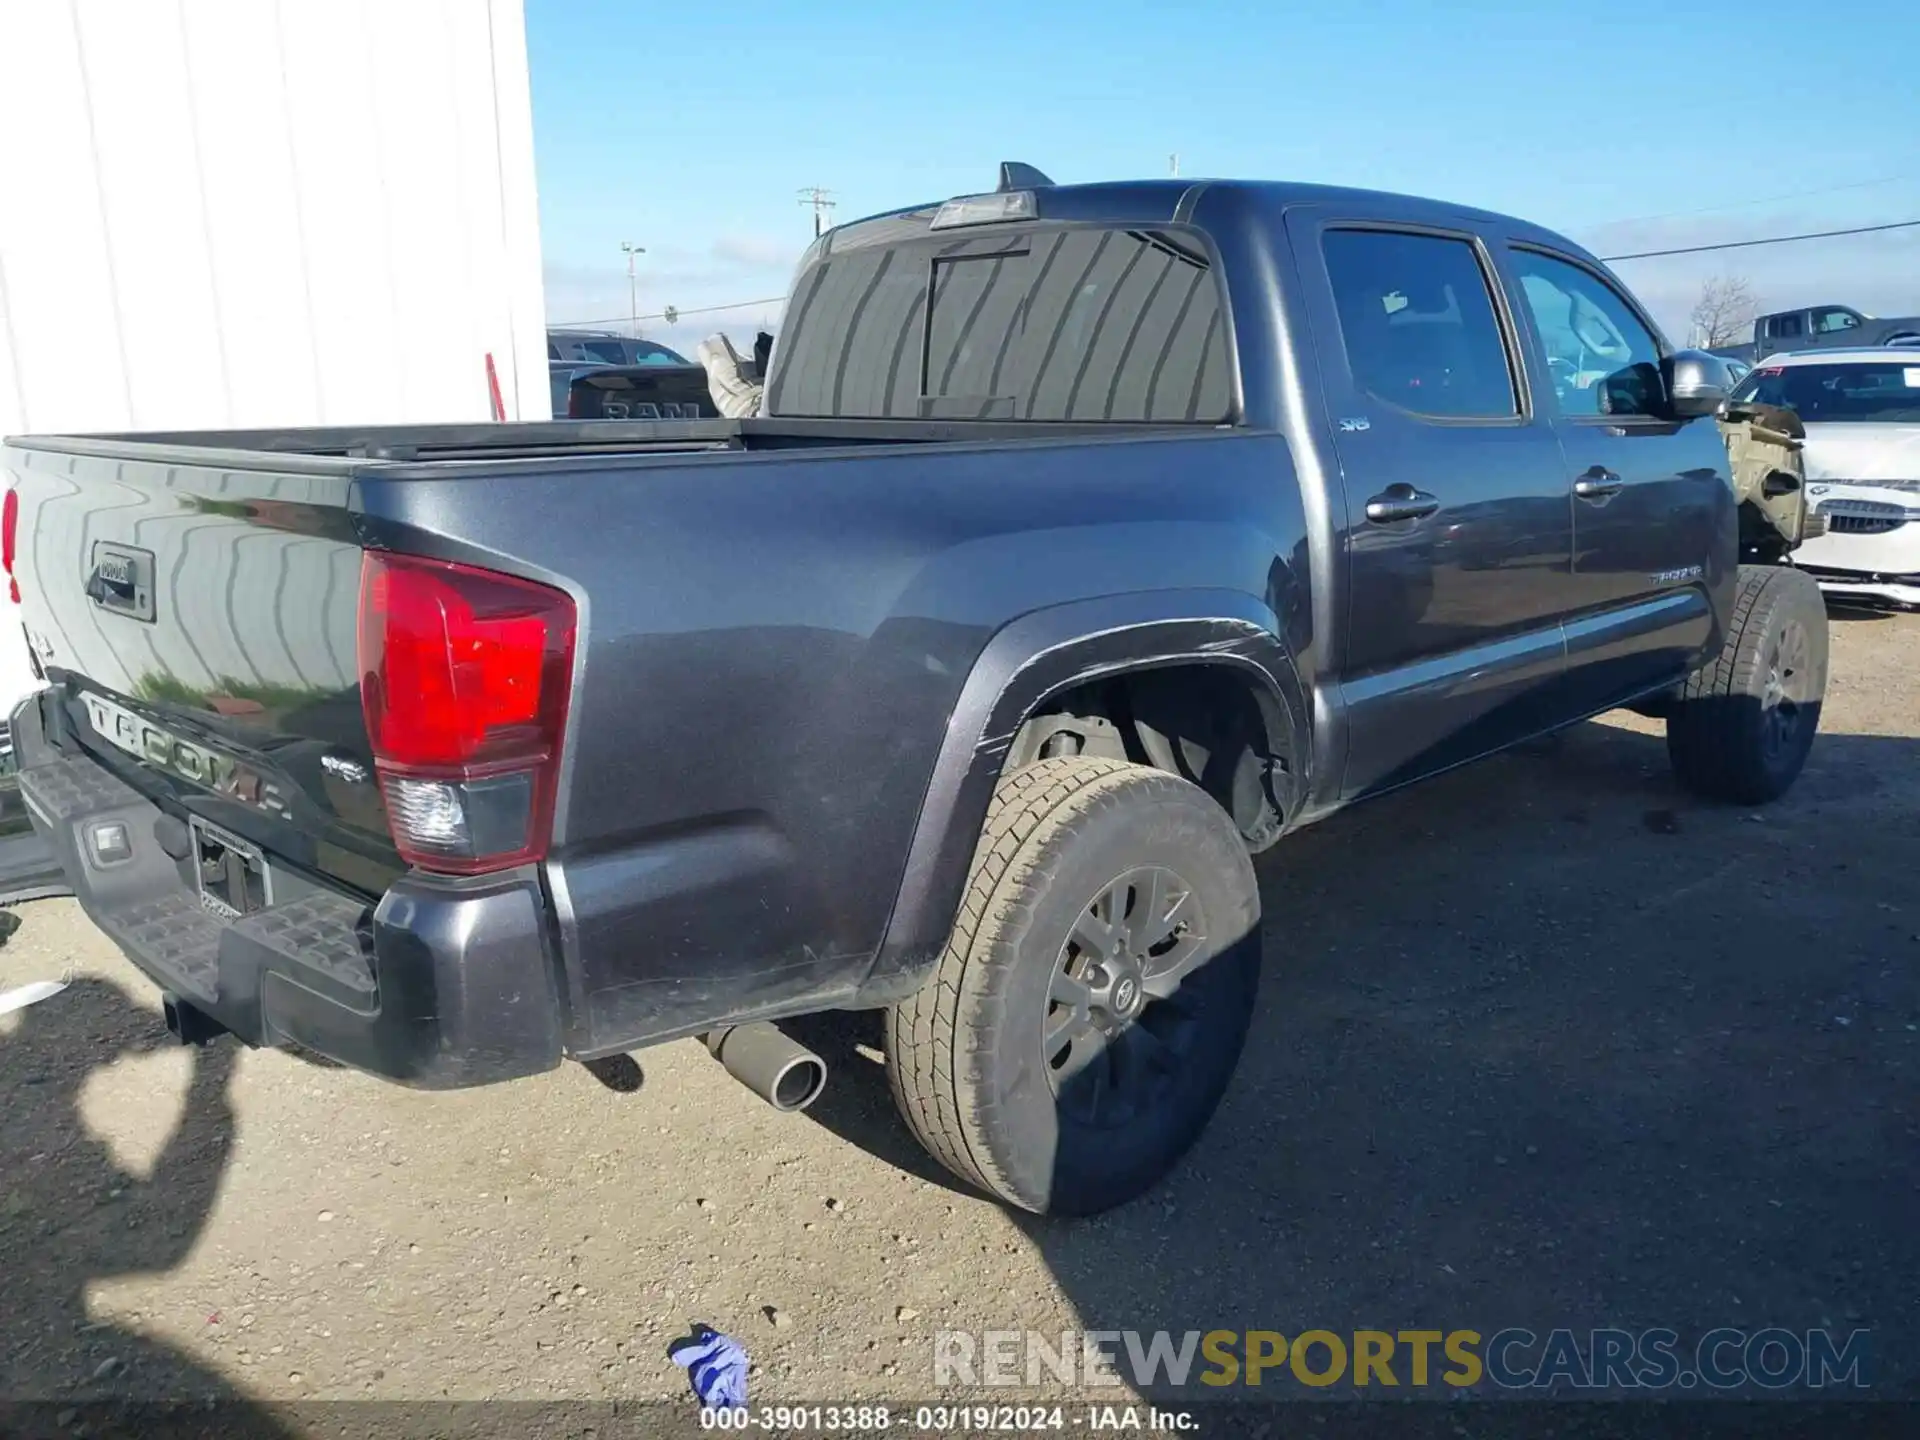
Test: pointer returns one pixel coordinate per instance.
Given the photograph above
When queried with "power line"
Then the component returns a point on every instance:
(1745, 204)
(670, 315)
(1769, 240)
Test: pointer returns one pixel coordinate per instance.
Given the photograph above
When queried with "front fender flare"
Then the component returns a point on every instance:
(1041, 654)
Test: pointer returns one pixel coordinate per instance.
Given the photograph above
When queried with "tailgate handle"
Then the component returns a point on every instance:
(121, 581)
(100, 585)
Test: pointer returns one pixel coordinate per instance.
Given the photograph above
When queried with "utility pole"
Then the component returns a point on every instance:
(632, 252)
(1173, 166)
(821, 201)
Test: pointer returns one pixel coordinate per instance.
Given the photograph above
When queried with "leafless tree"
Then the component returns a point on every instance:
(1723, 315)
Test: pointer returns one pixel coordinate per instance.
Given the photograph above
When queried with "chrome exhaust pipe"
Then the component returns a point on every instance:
(782, 1072)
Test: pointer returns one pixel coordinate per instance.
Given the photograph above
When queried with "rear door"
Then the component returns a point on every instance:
(1458, 535)
(1834, 326)
(1784, 332)
(1653, 525)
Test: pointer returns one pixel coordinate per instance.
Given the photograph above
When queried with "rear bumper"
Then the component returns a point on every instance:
(440, 985)
(1869, 585)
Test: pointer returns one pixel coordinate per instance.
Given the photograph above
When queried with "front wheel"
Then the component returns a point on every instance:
(1743, 724)
(1091, 1004)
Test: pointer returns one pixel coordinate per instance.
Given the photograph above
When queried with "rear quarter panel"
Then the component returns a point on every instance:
(772, 645)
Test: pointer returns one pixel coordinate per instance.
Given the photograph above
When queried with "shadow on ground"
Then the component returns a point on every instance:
(1546, 1043)
(71, 1216)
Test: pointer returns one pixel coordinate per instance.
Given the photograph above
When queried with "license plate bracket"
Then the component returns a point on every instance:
(230, 875)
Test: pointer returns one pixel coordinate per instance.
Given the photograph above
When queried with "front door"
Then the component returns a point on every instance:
(1834, 326)
(1457, 526)
(1653, 523)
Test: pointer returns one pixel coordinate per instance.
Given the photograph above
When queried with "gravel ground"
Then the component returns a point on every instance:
(1544, 1042)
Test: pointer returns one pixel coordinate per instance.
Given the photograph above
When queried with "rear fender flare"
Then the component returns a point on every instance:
(1042, 654)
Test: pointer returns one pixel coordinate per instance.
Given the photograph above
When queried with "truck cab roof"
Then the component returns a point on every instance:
(1173, 201)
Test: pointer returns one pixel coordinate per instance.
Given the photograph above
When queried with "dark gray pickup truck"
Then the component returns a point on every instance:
(1092, 538)
(1820, 327)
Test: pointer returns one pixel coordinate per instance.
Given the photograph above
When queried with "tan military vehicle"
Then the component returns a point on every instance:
(1764, 447)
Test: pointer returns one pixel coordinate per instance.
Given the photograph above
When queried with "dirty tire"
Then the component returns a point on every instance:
(966, 1054)
(1744, 722)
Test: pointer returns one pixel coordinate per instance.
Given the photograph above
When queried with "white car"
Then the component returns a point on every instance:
(1861, 409)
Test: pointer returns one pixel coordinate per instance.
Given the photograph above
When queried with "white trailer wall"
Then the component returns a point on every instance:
(251, 213)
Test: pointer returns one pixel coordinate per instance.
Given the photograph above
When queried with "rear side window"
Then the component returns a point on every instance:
(612, 352)
(1784, 326)
(1040, 325)
(1418, 324)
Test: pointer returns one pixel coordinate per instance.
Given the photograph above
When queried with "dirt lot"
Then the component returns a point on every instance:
(1543, 1043)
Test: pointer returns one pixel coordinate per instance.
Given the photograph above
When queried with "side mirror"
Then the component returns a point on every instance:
(1698, 384)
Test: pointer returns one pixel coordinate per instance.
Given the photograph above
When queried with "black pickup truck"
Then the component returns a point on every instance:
(1091, 539)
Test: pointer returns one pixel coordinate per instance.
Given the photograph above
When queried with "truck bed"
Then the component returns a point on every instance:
(775, 623)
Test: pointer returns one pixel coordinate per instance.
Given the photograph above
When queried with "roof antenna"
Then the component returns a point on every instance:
(1015, 175)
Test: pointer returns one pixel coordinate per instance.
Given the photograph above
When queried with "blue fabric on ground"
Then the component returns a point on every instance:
(716, 1367)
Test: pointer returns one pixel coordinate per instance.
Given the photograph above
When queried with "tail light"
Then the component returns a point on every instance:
(464, 678)
(9, 537)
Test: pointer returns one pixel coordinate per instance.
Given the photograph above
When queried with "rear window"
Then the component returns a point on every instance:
(1875, 392)
(645, 352)
(1043, 325)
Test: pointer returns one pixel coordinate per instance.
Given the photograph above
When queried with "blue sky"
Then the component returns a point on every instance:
(689, 130)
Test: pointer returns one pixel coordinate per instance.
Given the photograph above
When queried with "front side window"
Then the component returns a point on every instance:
(1418, 324)
(1601, 357)
(1833, 321)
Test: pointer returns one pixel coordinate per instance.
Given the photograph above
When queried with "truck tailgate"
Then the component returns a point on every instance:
(196, 625)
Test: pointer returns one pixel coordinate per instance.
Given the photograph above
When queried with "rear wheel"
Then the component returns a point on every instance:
(1093, 999)
(1743, 724)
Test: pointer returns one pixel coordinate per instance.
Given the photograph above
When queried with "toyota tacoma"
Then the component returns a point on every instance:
(1089, 540)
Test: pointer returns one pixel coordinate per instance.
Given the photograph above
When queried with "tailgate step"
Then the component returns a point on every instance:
(177, 936)
(323, 932)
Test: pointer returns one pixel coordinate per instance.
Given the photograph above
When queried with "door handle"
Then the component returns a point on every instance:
(1401, 502)
(1598, 483)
